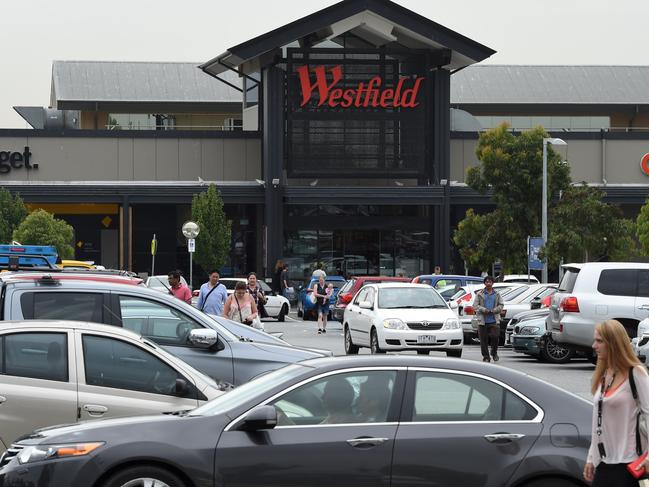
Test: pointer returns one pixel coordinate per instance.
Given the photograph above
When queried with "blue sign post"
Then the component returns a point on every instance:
(534, 245)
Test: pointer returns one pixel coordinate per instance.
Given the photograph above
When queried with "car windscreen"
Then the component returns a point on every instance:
(569, 279)
(409, 297)
(255, 388)
(247, 332)
(514, 293)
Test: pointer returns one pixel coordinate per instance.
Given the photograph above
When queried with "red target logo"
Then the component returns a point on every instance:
(644, 164)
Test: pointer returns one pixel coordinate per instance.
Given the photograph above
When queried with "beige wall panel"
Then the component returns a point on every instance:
(166, 160)
(18, 144)
(190, 159)
(253, 159)
(212, 166)
(125, 162)
(457, 160)
(585, 158)
(144, 159)
(79, 159)
(234, 154)
(623, 161)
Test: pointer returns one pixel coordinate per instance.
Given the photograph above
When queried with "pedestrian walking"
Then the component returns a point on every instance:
(322, 297)
(277, 272)
(212, 295)
(319, 271)
(284, 281)
(257, 293)
(178, 289)
(488, 304)
(241, 307)
(620, 388)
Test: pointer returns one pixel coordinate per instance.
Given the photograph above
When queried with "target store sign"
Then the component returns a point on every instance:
(644, 164)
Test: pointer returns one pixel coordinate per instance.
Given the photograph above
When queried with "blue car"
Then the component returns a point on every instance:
(305, 308)
(447, 284)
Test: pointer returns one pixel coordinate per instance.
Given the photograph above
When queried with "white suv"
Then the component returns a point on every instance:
(592, 292)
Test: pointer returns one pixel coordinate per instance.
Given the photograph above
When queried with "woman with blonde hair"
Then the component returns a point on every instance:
(616, 439)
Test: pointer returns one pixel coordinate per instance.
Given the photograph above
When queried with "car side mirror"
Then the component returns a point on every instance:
(182, 387)
(203, 337)
(535, 303)
(453, 304)
(260, 418)
(365, 305)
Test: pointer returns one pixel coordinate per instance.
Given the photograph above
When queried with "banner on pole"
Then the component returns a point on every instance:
(535, 244)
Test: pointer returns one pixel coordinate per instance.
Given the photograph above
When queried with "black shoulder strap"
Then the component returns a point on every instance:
(208, 295)
(634, 392)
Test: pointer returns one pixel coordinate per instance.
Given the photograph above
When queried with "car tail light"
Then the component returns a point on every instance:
(545, 302)
(345, 298)
(569, 305)
(469, 310)
(17, 249)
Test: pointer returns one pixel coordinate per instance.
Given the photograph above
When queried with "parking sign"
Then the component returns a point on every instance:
(534, 245)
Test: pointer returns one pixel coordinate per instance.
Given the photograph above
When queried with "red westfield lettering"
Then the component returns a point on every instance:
(365, 95)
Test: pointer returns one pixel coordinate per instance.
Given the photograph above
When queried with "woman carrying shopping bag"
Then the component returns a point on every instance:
(620, 387)
(241, 307)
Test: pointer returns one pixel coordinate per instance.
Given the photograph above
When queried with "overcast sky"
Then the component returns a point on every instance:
(36, 32)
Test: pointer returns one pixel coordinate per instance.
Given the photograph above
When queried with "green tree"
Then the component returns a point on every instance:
(12, 212)
(41, 228)
(511, 168)
(642, 228)
(583, 228)
(213, 242)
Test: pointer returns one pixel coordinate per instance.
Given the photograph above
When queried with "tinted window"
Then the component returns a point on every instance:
(618, 282)
(361, 296)
(409, 297)
(514, 293)
(643, 283)
(229, 284)
(446, 283)
(357, 397)
(36, 355)
(370, 296)
(63, 306)
(159, 322)
(120, 365)
(568, 280)
(455, 397)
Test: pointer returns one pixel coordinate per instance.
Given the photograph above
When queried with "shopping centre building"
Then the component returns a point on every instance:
(343, 137)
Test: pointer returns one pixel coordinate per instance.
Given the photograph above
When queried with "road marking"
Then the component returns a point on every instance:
(290, 319)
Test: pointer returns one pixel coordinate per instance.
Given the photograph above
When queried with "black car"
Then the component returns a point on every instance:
(375, 421)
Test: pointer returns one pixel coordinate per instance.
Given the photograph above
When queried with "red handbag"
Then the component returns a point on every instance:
(636, 468)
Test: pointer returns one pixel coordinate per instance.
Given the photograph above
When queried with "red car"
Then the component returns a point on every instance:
(349, 290)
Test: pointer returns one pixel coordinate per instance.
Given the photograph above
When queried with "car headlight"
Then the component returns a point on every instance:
(394, 324)
(529, 330)
(37, 453)
(451, 324)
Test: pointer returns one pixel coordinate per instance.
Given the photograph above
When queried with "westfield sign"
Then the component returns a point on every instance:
(365, 95)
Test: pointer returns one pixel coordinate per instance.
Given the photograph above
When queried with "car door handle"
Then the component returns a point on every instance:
(2, 399)
(644, 306)
(95, 409)
(366, 442)
(503, 437)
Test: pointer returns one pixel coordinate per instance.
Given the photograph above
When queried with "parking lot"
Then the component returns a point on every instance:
(574, 376)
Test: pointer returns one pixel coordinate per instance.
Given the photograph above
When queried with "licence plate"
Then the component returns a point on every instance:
(426, 339)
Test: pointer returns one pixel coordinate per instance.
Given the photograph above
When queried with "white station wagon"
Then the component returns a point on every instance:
(401, 316)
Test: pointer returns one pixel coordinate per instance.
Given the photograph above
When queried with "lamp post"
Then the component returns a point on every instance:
(544, 207)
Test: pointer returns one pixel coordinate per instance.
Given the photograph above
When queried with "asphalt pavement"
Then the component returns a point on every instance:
(574, 376)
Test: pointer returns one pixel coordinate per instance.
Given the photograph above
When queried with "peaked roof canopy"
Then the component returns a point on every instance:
(369, 23)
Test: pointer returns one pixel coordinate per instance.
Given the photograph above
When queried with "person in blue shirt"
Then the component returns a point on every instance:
(488, 305)
(212, 295)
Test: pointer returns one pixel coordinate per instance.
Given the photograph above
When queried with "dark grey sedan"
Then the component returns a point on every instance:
(380, 421)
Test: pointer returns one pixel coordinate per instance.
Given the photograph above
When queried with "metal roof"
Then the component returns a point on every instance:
(138, 82)
(537, 85)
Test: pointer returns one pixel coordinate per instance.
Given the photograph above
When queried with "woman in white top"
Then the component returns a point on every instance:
(615, 411)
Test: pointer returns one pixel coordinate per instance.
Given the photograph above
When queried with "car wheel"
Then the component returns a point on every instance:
(282, 314)
(423, 352)
(554, 353)
(374, 342)
(144, 476)
(454, 353)
(350, 348)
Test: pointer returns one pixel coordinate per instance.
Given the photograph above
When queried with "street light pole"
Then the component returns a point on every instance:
(544, 203)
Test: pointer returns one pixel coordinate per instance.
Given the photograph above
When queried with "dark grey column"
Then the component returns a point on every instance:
(442, 156)
(273, 160)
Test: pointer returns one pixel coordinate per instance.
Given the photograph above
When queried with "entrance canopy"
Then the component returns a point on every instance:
(354, 24)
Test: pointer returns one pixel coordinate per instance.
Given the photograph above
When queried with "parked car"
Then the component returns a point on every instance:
(29, 255)
(305, 308)
(488, 426)
(401, 316)
(161, 283)
(447, 282)
(596, 291)
(276, 307)
(529, 279)
(199, 339)
(523, 302)
(64, 371)
(529, 336)
(349, 290)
